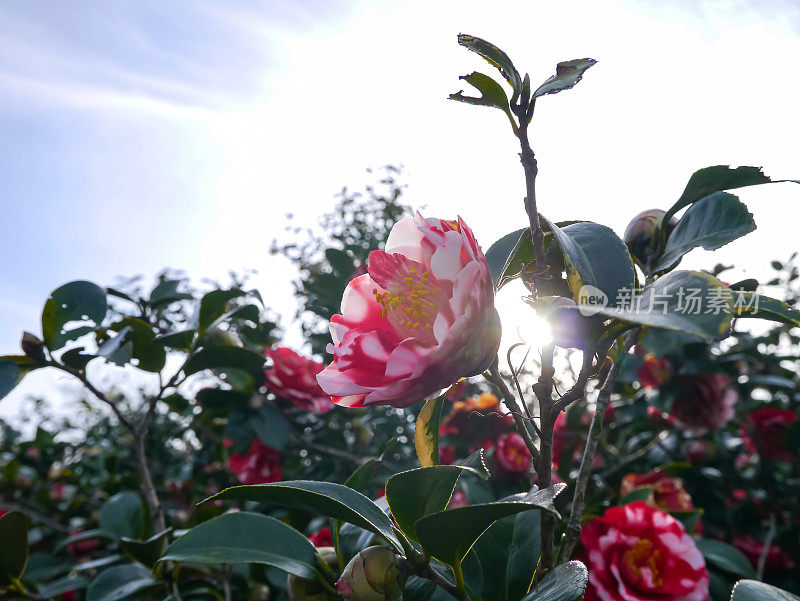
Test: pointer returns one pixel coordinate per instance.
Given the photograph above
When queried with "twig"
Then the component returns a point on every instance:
(762, 558)
(578, 391)
(622, 464)
(493, 377)
(573, 531)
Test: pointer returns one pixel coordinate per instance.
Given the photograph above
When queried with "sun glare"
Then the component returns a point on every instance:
(520, 322)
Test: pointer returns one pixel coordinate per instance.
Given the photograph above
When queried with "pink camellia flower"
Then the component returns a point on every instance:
(666, 493)
(511, 454)
(640, 553)
(294, 378)
(420, 319)
(261, 464)
(704, 403)
(771, 427)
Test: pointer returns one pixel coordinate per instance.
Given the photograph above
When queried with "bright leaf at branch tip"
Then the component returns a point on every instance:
(421, 318)
(494, 56)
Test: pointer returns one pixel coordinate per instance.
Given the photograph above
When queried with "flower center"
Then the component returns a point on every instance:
(411, 301)
(640, 557)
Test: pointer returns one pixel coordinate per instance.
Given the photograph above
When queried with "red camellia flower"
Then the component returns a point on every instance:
(704, 403)
(420, 319)
(654, 372)
(511, 453)
(84, 546)
(294, 378)
(668, 494)
(322, 538)
(771, 426)
(261, 464)
(3, 512)
(777, 559)
(640, 553)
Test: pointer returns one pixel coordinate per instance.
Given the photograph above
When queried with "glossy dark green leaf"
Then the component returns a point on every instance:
(237, 538)
(500, 254)
(661, 305)
(68, 305)
(726, 557)
(426, 432)
(166, 292)
(449, 535)
(14, 548)
(270, 426)
(213, 305)
(752, 590)
(751, 304)
(340, 261)
(419, 492)
(76, 358)
(333, 500)
(476, 464)
(710, 223)
(219, 401)
(716, 179)
(71, 582)
(223, 357)
(123, 515)
(120, 583)
(567, 75)
(594, 255)
(494, 56)
(150, 355)
(12, 369)
(492, 94)
(566, 582)
(506, 556)
(177, 340)
(147, 551)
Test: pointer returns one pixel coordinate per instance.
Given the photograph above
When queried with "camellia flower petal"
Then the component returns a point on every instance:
(420, 319)
(260, 465)
(294, 378)
(639, 553)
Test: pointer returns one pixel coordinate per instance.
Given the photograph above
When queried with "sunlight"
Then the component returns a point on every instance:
(520, 322)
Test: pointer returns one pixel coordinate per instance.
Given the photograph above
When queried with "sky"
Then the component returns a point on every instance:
(138, 135)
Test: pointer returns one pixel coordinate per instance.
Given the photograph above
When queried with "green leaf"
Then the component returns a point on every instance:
(177, 340)
(120, 583)
(14, 548)
(751, 304)
(77, 301)
(752, 590)
(71, 582)
(224, 357)
(426, 432)
(117, 350)
(594, 255)
(716, 179)
(166, 292)
(76, 358)
(150, 355)
(476, 464)
(449, 535)
(123, 515)
(147, 551)
(492, 94)
(270, 426)
(12, 369)
(499, 256)
(567, 75)
(506, 556)
(243, 537)
(726, 557)
(662, 306)
(494, 56)
(566, 582)
(333, 500)
(419, 492)
(711, 222)
(213, 304)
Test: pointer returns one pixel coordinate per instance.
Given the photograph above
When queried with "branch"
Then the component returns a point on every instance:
(578, 391)
(762, 558)
(595, 430)
(493, 377)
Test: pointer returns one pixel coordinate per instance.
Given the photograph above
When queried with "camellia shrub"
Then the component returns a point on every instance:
(648, 451)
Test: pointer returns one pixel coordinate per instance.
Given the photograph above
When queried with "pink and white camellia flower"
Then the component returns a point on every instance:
(421, 318)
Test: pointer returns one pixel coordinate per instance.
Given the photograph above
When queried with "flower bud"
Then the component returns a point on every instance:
(640, 236)
(300, 589)
(32, 347)
(375, 574)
